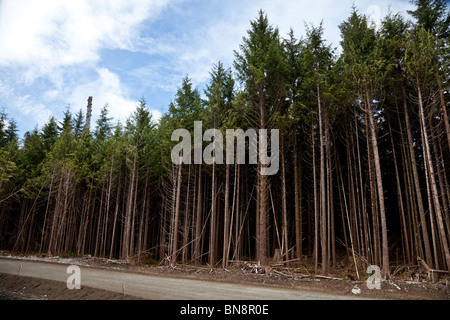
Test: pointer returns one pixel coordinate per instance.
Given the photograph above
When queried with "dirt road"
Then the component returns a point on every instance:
(155, 287)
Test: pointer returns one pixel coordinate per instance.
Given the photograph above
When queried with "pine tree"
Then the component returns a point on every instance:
(420, 58)
(293, 118)
(220, 95)
(433, 16)
(362, 66)
(186, 109)
(103, 126)
(261, 69)
(318, 61)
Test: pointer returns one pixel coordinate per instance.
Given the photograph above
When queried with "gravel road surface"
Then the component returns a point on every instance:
(155, 287)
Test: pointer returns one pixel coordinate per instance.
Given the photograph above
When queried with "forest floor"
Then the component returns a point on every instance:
(408, 283)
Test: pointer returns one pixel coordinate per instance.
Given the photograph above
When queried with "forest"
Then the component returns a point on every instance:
(364, 159)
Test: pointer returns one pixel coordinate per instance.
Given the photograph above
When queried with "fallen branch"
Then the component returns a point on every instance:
(428, 269)
(325, 277)
(294, 275)
(280, 263)
(413, 282)
(392, 283)
(283, 274)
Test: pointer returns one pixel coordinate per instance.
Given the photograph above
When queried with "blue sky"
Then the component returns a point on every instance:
(56, 53)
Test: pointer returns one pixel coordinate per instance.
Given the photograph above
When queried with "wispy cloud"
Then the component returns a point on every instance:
(46, 35)
(106, 89)
(56, 45)
(25, 104)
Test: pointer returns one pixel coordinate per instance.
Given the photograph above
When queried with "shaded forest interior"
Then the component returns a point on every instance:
(364, 159)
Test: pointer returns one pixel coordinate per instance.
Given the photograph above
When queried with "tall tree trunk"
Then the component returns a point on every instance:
(322, 187)
(146, 208)
(198, 219)
(226, 227)
(174, 250)
(385, 248)
(186, 223)
(404, 229)
(44, 231)
(126, 247)
(297, 202)
(418, 192)
(263, 189)
(316, 205)
(362, 242)
(233, 211)
(238, 223)
(212, 230)
(444, 109)
(331, 230)
(349, 225)
(430, 169)
(116, 212)
(284, 224)
(377, 251)
(108, 204)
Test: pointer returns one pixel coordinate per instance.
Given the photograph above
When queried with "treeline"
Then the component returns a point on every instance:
(364, 159)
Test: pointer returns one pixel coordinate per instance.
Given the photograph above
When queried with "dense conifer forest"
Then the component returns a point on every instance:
(364, 159)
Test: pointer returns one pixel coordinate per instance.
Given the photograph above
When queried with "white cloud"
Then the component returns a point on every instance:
(57, 44)
(36, 112)
(42, 36)
(106, 89)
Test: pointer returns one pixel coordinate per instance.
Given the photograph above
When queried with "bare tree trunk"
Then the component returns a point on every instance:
(374, 143)
(331, 231)
(297, 203)
(284, 225)
(316, 206)
(377, 251)
(322, 206)
(176, 215)
(238, 223)
(434, 263)
(141, 239)
(99, 220)
(400, 200)
(146, 208)
(444, 109)
(263, 188)
(415, 174)
(349, 228)
(108, 204)
(162, 229)
(362, 242)
(233, 211)
(87, 124)
(434, 192)
(186, 223)
(212, 233)
(198, 220)
(116, 211)
(44, 231)
(226, 227)
(263, 208)
(55, 220)
(135, 213)
(126, 247)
